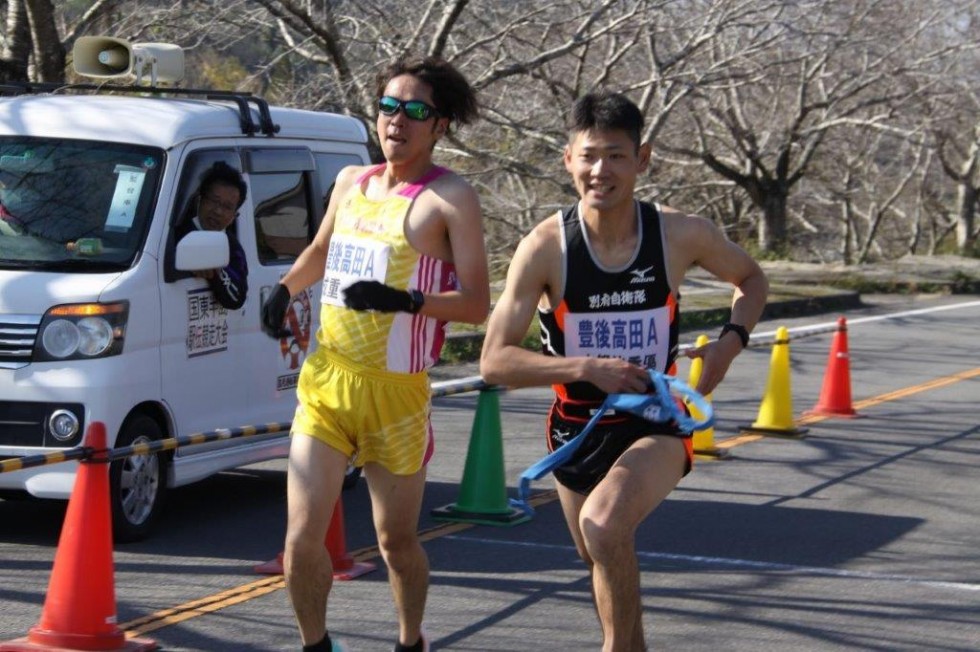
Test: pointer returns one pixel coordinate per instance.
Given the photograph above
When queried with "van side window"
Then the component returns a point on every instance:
(328, 166)
(185, 205)
(190, 181)
(282, 215)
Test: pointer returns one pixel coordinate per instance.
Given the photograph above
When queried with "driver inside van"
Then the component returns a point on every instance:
(221, 194)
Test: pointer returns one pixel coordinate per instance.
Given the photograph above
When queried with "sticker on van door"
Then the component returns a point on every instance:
(207, 324)
(294, 347)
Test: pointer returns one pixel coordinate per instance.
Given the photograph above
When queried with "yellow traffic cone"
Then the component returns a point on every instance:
(776, 411)
(703, 440)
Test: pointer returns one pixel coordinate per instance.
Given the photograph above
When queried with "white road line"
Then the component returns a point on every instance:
(746, 563)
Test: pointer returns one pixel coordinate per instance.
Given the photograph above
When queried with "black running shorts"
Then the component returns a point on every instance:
(602, 447)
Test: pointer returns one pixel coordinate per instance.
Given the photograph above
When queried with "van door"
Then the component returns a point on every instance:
(203, 346)
(291, 191)
(248, 378)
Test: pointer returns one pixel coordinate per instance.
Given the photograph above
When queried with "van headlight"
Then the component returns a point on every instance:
(81, 331)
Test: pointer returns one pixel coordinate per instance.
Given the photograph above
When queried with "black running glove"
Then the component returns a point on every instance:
(274, 312)
(373, 295)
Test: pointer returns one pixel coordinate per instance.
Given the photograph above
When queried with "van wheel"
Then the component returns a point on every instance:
(137, 482)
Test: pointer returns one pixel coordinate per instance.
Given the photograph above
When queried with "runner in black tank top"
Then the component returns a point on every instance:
(630, 313)
(601, 328)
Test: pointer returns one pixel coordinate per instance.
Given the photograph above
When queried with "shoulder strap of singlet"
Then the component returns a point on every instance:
(564, 218)
(412, 190)
(370, 172)
(652, 211)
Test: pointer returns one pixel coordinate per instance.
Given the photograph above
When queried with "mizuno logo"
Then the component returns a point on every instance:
(640, 275)
(561, 435)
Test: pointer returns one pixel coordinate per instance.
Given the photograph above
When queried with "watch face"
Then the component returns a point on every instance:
(418, 300)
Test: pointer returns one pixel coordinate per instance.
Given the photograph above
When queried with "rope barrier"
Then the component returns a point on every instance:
(145, 448)
(43, 459)
(220, 434)
(459, 386)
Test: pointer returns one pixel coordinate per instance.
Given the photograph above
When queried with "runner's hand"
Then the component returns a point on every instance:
(274, 312)
(373, 295)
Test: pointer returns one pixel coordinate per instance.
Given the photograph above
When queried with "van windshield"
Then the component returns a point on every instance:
(74, 204)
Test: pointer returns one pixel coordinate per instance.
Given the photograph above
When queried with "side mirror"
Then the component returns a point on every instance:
(202, 250)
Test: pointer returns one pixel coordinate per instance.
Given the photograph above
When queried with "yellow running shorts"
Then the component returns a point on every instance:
(381, 416)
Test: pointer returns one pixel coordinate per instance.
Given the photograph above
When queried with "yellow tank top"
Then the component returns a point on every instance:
(369, 243)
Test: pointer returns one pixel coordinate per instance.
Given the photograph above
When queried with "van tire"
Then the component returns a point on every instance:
(138, 482)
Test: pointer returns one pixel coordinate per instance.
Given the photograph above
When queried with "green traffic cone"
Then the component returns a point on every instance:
(483, 492)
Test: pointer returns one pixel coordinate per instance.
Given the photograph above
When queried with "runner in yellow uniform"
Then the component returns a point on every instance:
(378, 357)
(401, 253)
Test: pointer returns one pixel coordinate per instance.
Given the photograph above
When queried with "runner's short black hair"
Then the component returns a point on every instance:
(606, 111)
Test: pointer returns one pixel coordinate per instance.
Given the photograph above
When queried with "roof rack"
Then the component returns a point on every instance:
(241, 99)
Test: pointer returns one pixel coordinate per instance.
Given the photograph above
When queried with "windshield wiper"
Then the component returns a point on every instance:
(71, 264)
(15, 263)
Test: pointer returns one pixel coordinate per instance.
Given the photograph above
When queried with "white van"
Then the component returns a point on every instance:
(116, 328)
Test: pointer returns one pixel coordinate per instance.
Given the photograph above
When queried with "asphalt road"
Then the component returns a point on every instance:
(862, 535)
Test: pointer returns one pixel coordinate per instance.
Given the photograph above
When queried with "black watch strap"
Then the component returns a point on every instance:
(417, 301)
(738, 329)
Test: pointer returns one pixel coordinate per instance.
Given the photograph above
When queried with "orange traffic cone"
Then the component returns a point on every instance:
(835, 395)
(702, 440)
(80, 609)
(776, 410)
(344, 566)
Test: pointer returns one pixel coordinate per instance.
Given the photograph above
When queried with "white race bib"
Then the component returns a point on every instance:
(351, 259)
(642, 336)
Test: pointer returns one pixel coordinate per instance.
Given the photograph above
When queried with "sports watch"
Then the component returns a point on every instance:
(738, 329)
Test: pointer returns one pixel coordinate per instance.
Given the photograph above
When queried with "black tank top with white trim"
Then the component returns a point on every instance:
(629, 312)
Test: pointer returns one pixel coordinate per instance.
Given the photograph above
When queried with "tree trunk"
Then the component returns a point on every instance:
(966, 200)
(49, 53)
(17, 49)
(772, 226)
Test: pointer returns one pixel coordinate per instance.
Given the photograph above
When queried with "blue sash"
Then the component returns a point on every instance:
(658, 406)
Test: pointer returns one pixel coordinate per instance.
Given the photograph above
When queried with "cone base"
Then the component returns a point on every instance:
(787, 433)
(271, 567)
(348, 570)
(512, 516)
(818, 411)
(25, 645)
(354, 570)
(714, 453)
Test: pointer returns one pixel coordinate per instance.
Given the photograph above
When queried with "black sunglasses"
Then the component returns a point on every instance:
(414, 109)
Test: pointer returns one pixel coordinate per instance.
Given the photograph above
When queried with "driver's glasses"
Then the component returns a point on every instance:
(414, 109)
(224, 207)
